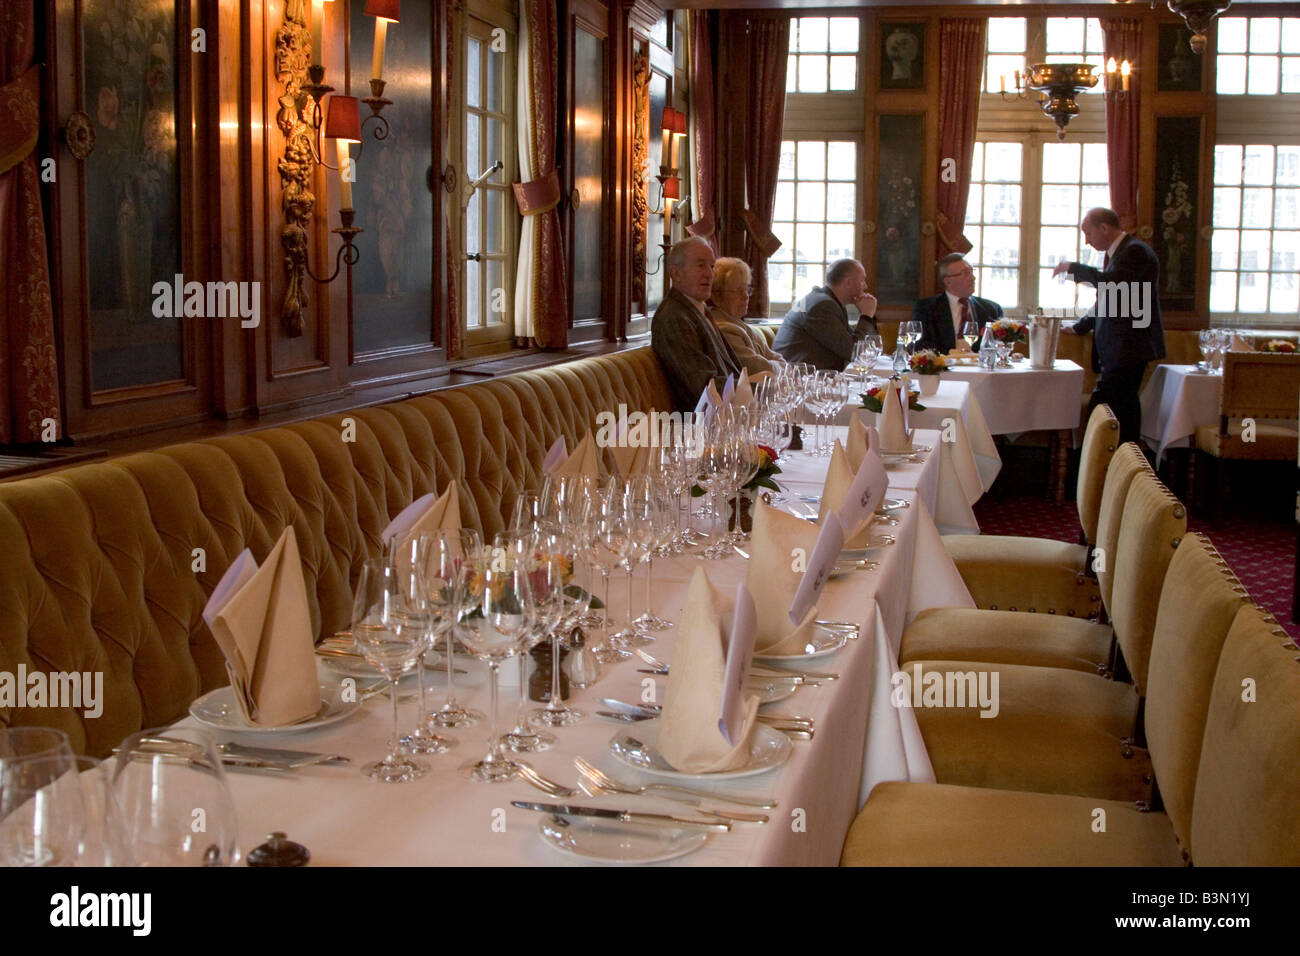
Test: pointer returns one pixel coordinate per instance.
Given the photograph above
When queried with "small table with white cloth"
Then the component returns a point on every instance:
(1177, 400)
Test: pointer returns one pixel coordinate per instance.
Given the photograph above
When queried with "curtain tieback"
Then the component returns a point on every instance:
(703, 227)
(539, 195)
(957, 242)
(763, 238)
(20, 117)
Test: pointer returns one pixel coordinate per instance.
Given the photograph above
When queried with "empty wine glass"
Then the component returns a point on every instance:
(574, 602)
(536, 552)
(606, 542)
(425, 552)
(663, 533)
(174, 803)
(391, 625)
(636, 509)
(452, 713)
(499, 614)
(526, 512)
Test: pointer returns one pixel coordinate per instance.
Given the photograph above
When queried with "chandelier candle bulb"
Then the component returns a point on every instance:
(1125, 70)
(345, 172)
(377, 62)
(318, 32)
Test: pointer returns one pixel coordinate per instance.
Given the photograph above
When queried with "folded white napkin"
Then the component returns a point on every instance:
(585, 459)
(425, 515)
(710, 648)
(626, 458)
(780, 543)
(555, 456)
(262, 623)
(895, 436)
(744, 394)
(861, 437)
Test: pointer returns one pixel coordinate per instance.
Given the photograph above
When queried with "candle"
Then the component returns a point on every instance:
(346, 174)
(1125, 69)
(377, 62)
(317, 32)
(1002, 80)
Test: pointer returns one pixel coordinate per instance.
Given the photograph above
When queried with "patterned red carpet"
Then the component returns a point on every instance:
(1260, 549)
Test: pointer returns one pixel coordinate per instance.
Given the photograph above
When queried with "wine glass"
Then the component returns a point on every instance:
(574, 603)
(499, 613)
(452, 714)
(636, 511)
(606, 542)
(174, 803)
(413, 559)
(538, 553)
(663, 533)
(873, 345)
(41, 811)
(910, 332)
(390, 626)
(970, 331)
(526, 512)
(1205, 340)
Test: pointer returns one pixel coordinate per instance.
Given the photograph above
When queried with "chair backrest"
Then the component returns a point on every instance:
(1153, 525)
(1259, 385)
(1198, 603)
(1099, 443)
(1126, 463)
(1247, 783)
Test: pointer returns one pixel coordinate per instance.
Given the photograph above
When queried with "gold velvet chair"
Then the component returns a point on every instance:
(1256, 385)
(1044, 640)
(1224, 765)
(1040, 574)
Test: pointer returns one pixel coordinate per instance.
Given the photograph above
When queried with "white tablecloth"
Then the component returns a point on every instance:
(443, 818)
(1177, 400)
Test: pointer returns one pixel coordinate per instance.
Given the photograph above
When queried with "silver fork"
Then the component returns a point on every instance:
(543, 784)
(595, 783)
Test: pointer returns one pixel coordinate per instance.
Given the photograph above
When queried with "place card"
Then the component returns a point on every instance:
(830, 541)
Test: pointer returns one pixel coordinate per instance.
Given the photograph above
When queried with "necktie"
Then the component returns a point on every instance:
(1105, 262)
(965, 315)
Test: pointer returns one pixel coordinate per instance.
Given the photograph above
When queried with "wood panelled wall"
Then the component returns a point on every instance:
(230, 156)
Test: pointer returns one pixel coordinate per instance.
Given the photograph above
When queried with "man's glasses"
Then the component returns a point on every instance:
(958, 275)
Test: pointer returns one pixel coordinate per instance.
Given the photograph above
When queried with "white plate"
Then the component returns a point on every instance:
(823, 642)
(609, 841)
(769, 690)
(768, 749)
(217, 709)
(877, 542)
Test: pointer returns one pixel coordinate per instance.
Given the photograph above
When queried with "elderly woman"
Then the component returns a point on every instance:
(730, 299)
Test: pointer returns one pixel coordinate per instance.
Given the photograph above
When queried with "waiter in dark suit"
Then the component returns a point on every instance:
(689, 346)
(1125, 322)
(942, 316)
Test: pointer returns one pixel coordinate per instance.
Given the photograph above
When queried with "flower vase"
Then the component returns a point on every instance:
(746, 515)
(929, 384)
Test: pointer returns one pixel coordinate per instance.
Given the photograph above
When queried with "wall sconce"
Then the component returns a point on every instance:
(1058, 84)
(308, 122)
(674, 126)
(1117, 78)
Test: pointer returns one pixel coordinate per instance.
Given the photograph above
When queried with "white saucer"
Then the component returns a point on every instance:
(768, 749)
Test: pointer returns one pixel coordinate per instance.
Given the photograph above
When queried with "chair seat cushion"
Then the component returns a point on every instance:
(1007, 637)
(1048, 730)
(1025, 574)
(927, 824)
(1272, 442)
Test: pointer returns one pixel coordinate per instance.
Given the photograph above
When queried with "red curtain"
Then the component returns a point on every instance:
(29, 369)
(1123, 41)
(961, 70)
(454, 344)
(767, 43)
(703, 131)
(550, 287)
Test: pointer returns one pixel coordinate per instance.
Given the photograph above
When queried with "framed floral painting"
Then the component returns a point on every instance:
(1178, 150)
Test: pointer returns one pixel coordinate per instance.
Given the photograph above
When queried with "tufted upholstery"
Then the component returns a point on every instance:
(98, 565)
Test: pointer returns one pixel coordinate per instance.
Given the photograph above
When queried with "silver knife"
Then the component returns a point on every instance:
(625, 718)
(623, 816)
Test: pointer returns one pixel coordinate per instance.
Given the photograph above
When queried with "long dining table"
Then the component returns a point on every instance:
(445, 819)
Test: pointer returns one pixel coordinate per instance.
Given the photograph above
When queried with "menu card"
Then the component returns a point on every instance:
(830, 541)
(738, 639)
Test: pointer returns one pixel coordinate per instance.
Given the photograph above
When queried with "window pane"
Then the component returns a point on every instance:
(1263, 75)
(473, 148)
(1223, 249)
(787, 160)
(1227, 165)
(1223, 291)
(1252, 292)
(792, 74)
(1096, 39)
(844, 35)
(810, 243)
(1232, 34)
(976, 236)
(497, 294)
(1231, 76)
(1255, 250)
(975, 204)
(812, 74)
(784, 209)
(1291, 35)
(811, 202)
(1286, 209)
(1002, 245)
(1291, 74)
(495, 132)
(1258, 167)
(839, 202)
(1227, 207)
(1285, 295)
(839, 242)
(495, 79)
(977, 163)
(1006, 34)
(1000, 285)
(841, 161)
(812, 34)
(1095, 168)
(812, 160)
(1002, 161)
(1056, 243)
(473, 225)
(844, 73)
(1061, 162)
(495, 221)
(1286, 251)
(473, 296)
(784, 231)
(1065, 34)
(1257, 208)
(1002, 203)
(473, 72)
(1061, 205)
(1090, 197)
(780, 277)
(1264, 34)
(1000, 66)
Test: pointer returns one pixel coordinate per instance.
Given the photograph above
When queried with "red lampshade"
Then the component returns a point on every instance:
(343, 119)
(672, 188)
(388, 9)
(674, 120)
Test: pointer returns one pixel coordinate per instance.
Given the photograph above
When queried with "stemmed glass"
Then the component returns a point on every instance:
(872, 346)
(970, 331)
(566, 505)
(159, 779)
(452, 714)
(910, 331)
(717, 474)
(1205, 339)
(606, 543)
(636, 511)
(391, 624)
(574, 602)
(499, 613)
(413, 559)
(527, 511)
(41, 811)
(663, 533)
(537, 553)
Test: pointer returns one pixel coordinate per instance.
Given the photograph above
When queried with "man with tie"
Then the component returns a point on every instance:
(684, 339)
(1125, 322)
(942, 316)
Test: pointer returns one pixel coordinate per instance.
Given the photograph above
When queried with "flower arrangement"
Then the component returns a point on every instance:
(1009, 331)
(927, 362)
(873, 400)
(1281, 346)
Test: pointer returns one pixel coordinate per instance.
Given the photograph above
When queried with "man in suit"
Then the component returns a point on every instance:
(816, 329)
(941, 316)
(687, 344)
(1125, 322)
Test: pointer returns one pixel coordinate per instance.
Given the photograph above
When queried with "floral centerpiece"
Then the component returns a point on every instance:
(874, 397)
(927, 362)
(1281, 346)
(1009, 331)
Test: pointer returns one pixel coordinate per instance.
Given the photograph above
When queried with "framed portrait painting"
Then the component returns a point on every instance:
(902, 56)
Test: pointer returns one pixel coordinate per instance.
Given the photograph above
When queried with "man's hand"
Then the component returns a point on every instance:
(1061, 267)
(866, 304)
